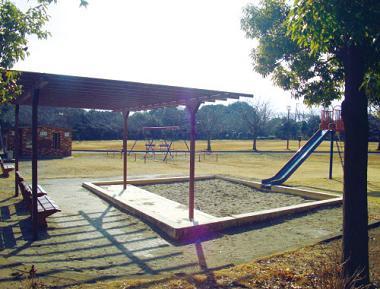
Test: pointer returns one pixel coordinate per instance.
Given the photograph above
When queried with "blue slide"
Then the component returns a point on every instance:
(299, 157)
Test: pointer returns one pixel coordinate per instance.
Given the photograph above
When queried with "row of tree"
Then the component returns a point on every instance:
(239, 120)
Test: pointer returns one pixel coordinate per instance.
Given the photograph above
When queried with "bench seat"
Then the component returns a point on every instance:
(19, 177)
(26, 192)
(45, 205)
(6, 168)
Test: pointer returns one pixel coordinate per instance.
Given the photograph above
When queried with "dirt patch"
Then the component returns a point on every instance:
(222, 198)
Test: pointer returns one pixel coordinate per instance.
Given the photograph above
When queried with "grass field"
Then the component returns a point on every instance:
(217, 145)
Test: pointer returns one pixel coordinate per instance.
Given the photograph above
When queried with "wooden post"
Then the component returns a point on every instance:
(288, 128)
(125, 140)
(192, 108)
(16, 143)
(36, 93)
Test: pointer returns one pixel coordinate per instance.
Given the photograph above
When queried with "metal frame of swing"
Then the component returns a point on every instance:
(150, 145)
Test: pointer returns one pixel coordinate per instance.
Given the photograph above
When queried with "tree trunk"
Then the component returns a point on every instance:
(208, 145)
(355, 207)
(254, 148)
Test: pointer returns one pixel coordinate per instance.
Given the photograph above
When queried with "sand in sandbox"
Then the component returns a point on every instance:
(221, 198)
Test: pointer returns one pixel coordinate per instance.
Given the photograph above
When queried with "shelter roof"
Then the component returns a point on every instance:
(95, 93)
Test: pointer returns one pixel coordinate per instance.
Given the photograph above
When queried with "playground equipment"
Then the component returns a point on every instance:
(331, 122)
(166, 136)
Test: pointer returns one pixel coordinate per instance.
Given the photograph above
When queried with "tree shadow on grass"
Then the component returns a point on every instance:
(4, 213)
(375, 194)
(50, 256)
(7, 238)
(322, 189)
(6, 200)
(277, 221)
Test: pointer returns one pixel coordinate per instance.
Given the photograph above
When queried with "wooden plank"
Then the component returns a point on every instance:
(74, 91)
(47, 204)
(192, 109)
(125, 141)
(35, 163)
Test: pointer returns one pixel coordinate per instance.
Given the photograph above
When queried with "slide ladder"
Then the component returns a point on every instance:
(298, 158)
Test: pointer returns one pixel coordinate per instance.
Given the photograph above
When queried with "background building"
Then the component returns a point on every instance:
(53, 142)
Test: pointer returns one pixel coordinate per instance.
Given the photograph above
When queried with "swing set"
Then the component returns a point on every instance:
(160, 140)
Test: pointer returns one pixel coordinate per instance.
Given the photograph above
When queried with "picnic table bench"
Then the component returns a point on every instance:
(6, 168)
(45, 205)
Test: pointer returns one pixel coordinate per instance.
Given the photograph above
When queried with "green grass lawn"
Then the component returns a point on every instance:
(218, 145)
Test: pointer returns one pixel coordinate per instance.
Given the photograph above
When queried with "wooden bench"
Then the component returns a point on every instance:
(26, 191)
(45, 205)
(6, 168)
(19, 177)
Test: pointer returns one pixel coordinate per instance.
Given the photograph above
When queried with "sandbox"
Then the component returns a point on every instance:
(221, 202)
(222, 198)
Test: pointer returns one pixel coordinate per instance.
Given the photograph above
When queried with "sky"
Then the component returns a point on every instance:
(192, 43)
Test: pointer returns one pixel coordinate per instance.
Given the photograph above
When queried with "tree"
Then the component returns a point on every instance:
(319, 49)
(286, 129)
(372, 88)
(309, 125)
(374, 129)
(256, 114)
(15, 27)
(210, 121)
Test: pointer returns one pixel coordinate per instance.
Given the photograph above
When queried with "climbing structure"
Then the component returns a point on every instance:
(331, 122)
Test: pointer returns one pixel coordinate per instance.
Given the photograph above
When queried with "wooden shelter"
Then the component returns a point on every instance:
(120, 96)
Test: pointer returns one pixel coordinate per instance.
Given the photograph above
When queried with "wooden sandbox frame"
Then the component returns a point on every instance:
(171, 217)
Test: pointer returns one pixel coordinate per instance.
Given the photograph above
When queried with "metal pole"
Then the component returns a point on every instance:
(125, 140)
(16, 148)
(34, 161)
(288, 130)
(331, 153)
(192, 110)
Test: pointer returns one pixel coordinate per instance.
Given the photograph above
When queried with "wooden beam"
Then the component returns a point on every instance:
(83, 92)
(16, 142)
(125, 141)
(36, 93)
(192, 109)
